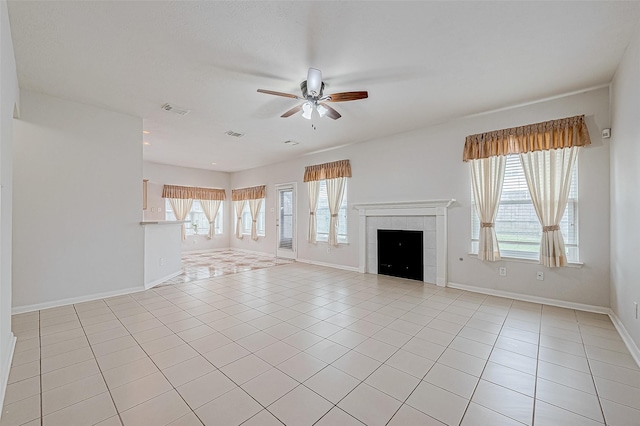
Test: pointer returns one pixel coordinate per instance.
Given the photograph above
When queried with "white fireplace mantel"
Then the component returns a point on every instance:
(437, 208)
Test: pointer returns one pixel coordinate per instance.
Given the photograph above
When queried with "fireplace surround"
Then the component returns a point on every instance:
(428, 216)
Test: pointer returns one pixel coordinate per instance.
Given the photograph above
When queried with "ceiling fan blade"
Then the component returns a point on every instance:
(286, 95)
(348, 96)
(292, 111)
(331, 113)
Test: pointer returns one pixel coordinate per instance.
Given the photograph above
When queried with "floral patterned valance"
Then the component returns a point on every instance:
(252, 193)
(335, 169)
(193, 193)
(554, 134)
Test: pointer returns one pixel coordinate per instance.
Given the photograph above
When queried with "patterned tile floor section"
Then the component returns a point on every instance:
(306, 345)
(209, 264)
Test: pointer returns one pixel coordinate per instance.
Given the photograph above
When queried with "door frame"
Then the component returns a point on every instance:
(293, 253)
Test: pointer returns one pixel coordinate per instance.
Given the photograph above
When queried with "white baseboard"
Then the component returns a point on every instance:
(161, 280)
(533, 299)
(71, 300)
(11, 347)
(626, 337)
(330, 265)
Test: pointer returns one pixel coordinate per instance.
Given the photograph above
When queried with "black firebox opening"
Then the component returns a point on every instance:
(400, 254)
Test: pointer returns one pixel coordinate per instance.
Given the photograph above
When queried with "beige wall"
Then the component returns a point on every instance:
(78, 203)
(625, 190)
(9, 96)
(161, 174)
(427, 164)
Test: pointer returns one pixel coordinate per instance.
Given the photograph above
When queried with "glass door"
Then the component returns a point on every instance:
(286, 220)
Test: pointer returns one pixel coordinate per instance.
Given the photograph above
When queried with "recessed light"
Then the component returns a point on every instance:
(146, 143)
(213, 164)
(146, 132)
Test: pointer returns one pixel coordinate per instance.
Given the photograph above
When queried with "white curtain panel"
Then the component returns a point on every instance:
(335, 192)
(254, 209)
(239, 206)
(487, 177)
(210, 209)
(548, 175)
(314, 191)
(181, 208)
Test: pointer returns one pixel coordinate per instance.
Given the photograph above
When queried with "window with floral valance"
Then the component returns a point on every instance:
(250, 198)
(332, 177)
(181, 200)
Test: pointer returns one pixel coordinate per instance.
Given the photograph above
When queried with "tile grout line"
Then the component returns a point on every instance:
(475, 388)
(99, 368)
(535, 383)
(154, 363)
(593, 378)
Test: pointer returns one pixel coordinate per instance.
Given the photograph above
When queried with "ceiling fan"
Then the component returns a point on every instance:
(314, 99)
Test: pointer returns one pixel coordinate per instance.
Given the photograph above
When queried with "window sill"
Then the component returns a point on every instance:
(531, 261)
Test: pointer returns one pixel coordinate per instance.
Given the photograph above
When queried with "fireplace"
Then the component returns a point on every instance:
(400, 254)
(430, 217)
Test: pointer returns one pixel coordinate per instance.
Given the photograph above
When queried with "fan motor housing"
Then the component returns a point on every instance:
(306, 95)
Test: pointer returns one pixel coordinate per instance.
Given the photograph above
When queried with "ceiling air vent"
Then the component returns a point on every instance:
(291, 143)
(174, 109)
(234, 134)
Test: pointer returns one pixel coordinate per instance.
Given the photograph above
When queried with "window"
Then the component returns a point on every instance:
(517, 226)
(323, 216)
(246, 220)
(196, 216)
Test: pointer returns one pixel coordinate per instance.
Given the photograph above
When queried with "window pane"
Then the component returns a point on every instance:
(168, 211)
(219, 222)
(517, 226)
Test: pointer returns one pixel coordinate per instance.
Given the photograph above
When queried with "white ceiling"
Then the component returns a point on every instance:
(422, 63)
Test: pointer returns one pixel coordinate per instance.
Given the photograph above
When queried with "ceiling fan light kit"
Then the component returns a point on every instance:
(312, 93)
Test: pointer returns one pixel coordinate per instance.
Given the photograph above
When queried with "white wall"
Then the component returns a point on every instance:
(78, 202)
(8, 99)
(161, 174)
(625, 190)
(427, 164)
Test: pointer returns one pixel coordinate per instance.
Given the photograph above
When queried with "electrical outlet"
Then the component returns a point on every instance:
(503, 271)
(540, 276)
(161, 261)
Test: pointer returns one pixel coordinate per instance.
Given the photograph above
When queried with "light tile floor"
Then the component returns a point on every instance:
(214, 263)
(302, 345)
